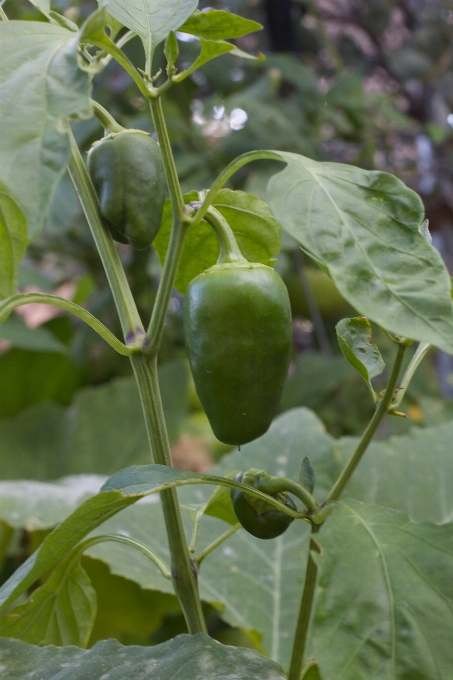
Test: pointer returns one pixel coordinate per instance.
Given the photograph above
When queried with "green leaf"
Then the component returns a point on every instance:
(13, 242)
(41, 85)
(152, 20)
(221, 506)
(37, 506)
(354, 339)
(32, 378)
(258, 234)
(412, 473)
(210, 49)
(311, 671)
(385, 596)
(259, 579)
(60, 612)
(39, 339)
(198, 655)
(62, 540)
(364, 227)
(218, 24)
(125, 611)
(307, 475)
(42, 5)
(100, 432)
(171, 49)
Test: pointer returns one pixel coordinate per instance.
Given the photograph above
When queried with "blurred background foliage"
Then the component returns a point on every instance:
(367, 83)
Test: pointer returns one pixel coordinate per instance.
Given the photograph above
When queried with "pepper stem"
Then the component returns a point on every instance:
(229, 249)
(106, 120)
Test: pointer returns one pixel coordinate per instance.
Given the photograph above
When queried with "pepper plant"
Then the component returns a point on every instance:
(369, 593)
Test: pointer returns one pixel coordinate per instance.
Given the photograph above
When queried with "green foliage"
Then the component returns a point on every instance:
(48, 441)
(199, 655)
(374, 252)
(354, 338)
(48, 88)
(13, 242)
(401, 593)
(60, 612)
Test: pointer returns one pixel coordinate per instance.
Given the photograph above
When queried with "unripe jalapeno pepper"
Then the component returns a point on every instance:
(127, 172)
(258, 517)
(237, 327)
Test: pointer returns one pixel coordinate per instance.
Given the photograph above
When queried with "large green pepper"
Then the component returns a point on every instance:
(237, 327)
(256, 516)
(127, 172)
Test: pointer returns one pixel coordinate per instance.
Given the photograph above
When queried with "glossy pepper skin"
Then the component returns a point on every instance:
(266, 523)
(237, 327)
(127, 172)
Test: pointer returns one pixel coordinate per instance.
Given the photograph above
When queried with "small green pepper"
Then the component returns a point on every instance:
(256, 516)
(127, 172)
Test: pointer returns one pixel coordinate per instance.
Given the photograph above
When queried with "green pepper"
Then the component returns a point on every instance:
(256, 516)
(237, 327)
(127, 172)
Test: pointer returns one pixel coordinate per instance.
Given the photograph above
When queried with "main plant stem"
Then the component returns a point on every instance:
(183, 573)
(306, 605)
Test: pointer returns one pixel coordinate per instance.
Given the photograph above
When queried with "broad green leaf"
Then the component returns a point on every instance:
(364, 227)
(60, 612)
(152, 20)
(385, 596)
(196, 656)
(16, 332)
(30, 505)
(100, 432)
(354, 338)
(218, 25)
(62, 540)
(125, 611)
(412, 473)
(258, 234)
(41, 85)
(13, 242)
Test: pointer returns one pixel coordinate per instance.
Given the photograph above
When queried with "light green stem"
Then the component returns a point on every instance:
(419, 355)
(229, 171)
(229, 249)
(3, 16)
(107, 121)
(127, 310)
(215, 544)
(306, 606)
(131, 542)
(383, 407)
(183, 572)
(6, 306)
(176, 197)
(178, 231)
